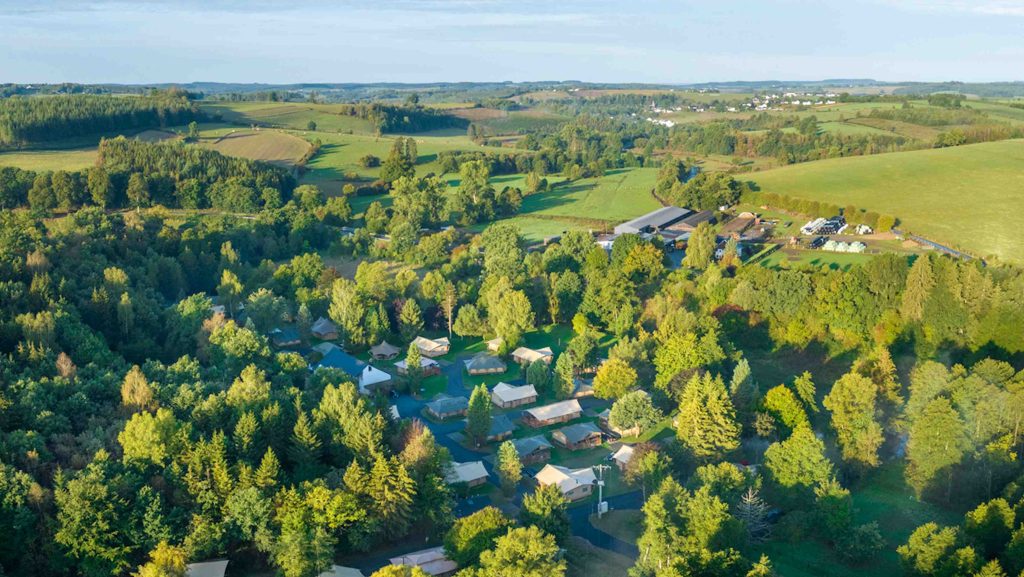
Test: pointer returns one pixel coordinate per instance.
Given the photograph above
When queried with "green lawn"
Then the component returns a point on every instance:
(967, 196)
(585, 560)
(626, 524)
(819, 258)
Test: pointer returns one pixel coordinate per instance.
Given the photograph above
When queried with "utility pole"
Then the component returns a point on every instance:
(600, 488)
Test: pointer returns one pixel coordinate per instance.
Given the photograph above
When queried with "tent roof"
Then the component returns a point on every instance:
(555, 410)
(507, 393)
(483, 361)
(207, 568)
(565, 479)
(385, 349)
(466, 472)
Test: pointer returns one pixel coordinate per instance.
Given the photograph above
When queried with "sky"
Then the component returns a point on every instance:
(655, 41)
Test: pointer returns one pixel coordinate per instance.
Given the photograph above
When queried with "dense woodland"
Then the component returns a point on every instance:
(141, 427)
(29, 120)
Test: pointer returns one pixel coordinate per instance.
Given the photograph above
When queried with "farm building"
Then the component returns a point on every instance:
(653, 221)
(385, 351)
(432, 347)
(471, 473)
(501, 428)
(445, 407)
(428, 366)
(367, 376)
(688, 224)
(526, 356)
(324, 329)
(560, 412)
(833, 225)
(506, 396)
(494, 345)
(579, 436)
(533, 449)
(575, 484)
(207, 569)
(285, 338)
(485, 364)
(431, 561)
(623, 456)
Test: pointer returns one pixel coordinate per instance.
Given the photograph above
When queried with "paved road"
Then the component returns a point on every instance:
(579, 521)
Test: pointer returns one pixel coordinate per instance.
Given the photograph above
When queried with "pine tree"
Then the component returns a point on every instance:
(410, 320)
(707, 420)
(136, 394)
(510, 468)
(305, 446)
(753, 512)
(478, 415)
(413, 370)
(805, 391)
(919, 285)
(852, 404)
(269, 471)
(798, 464)
(392, 491)
(763, 568)
(936, 444)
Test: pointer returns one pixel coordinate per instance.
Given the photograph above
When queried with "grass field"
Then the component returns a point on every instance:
(50, 159)
(268, 145)
(968, 196)
(293, 115)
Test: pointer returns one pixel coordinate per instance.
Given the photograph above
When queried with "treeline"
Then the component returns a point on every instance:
(932, 116)
(27, 120)
(815, 208)
(808, 143)
(388, 118)
(139, 174)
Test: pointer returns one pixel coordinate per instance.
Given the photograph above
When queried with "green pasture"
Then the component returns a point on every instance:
(967, 196)
(293, 115)
(50, 159)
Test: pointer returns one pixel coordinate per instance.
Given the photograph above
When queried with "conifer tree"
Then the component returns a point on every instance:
(852, 404)
(478, 415)
(269, 472)
(413, 370)
(919, 285)
(410, 320)
(803, 385)
(707, 420)
(510, 468)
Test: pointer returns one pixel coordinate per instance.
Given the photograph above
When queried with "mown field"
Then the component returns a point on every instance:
(50, 159)
(267, 145)
(293, 115)
(968, 196)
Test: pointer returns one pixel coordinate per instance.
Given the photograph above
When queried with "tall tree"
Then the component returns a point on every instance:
(547, 509)
(936, 444)
(522, 552)
(473, 534)
(478, 416)
(700, 249)
(853, 408)
(707, 420)
(919, 286)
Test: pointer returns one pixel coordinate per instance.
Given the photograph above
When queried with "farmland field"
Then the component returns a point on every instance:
(267, 145)
(50, 159)
(293, 115)
(967, 196)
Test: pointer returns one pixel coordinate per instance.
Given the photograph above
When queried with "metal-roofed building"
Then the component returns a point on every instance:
(653, 221)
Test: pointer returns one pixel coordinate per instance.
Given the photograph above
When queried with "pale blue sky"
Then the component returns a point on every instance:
(670, 41)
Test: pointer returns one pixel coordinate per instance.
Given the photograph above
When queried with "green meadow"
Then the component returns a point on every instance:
(968, 196)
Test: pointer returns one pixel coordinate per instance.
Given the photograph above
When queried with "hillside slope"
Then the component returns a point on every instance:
(969, 196)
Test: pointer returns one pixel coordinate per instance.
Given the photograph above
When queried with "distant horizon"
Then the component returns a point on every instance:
(425, 41)
(824, 82)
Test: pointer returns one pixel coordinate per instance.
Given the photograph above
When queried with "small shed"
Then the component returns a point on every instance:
(533, 449)
(428, 367)
(578, 437)
(384, 351)
(285, 338)
(507, 396)
(554, 413)
(526, 356)
(485, 364)
(472, 473)
(324, 329)
(432, 347)
(445, 407)
(623, 456)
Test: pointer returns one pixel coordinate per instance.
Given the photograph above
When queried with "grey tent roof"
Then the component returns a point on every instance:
(483, 362)
(530, 445)
(448, 404)
(579, 432)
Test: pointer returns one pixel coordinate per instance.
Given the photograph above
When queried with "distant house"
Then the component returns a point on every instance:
(575, 484)
(623, 456)
(494, 345)
(427, 365)
(554, 413)
(207, 569)
(526, 356)
(506, 396)
(368, 377)
(485, 364)
(432, 347)
(384, 351)
(324, 329)
(472, 473)
(445, 407)
(431, 561)
(579, 436)
(501, 428)
(285, 338)
(533, 449)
